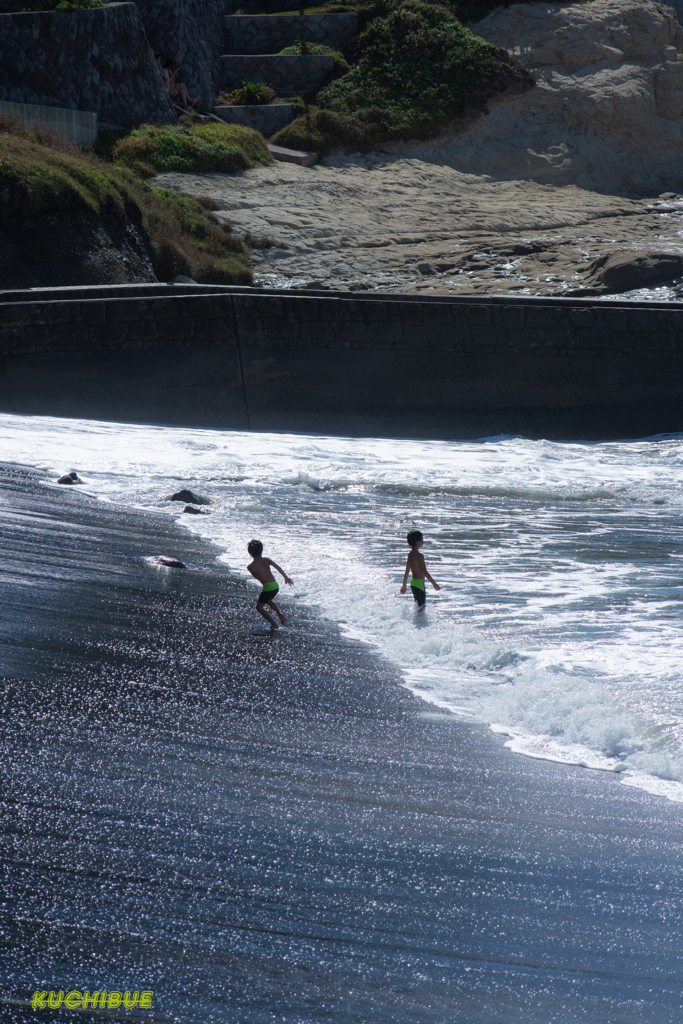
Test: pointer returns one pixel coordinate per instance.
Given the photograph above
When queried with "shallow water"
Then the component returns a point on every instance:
(559, 618)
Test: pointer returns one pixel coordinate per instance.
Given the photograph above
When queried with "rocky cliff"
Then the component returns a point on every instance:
(607, 111)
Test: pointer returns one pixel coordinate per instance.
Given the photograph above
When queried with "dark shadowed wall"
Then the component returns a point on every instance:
(97, 60)
(191, 33)
(360, 365)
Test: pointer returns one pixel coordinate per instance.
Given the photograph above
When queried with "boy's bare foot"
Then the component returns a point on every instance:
(273, 627)
(282, 618)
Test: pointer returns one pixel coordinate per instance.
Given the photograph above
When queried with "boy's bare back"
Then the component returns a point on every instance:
(260, 569)
(416, 561)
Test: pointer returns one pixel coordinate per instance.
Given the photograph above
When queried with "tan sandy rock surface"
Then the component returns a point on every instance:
(587, 163)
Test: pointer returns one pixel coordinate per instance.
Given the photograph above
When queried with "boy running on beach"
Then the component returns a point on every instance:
(260, 570)
(416, 566)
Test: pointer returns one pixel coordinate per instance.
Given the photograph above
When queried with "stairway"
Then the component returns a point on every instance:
(254, 42)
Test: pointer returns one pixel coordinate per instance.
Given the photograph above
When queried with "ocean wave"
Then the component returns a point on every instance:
(551, 624)
(457, 490)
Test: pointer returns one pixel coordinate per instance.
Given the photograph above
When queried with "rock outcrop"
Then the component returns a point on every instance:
(628, 269)
(76, 247)
(607, 110)
(187, 496)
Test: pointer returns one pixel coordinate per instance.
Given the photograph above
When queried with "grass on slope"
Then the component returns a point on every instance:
(419, 69)
(42, 176)
(187, 147)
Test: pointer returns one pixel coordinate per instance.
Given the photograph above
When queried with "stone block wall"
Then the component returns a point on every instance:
(288, 75)
(95, 60)
(191, 33)
(267, 118)
(387, 365)
(267, 33)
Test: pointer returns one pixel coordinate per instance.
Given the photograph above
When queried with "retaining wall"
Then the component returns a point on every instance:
(388, 365)
(191, 33)
(270, 33)
(94, 60)
(78, 126)
(287, 74)
(267, 118)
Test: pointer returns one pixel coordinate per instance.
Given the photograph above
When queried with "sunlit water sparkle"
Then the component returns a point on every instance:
(560, 619)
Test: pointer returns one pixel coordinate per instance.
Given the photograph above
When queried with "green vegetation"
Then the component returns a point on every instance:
(251, 94)
(42, 176)
(419, 69)
(29, 6)
(341, 65)
(366, 10)
(206, 146)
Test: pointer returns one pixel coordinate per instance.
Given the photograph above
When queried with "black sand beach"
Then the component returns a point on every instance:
(272, 829)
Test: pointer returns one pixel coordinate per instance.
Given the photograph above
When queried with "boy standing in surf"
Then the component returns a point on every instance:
(416, 566)
(260, 570)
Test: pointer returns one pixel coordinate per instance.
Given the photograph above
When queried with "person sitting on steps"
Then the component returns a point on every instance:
(177, 90)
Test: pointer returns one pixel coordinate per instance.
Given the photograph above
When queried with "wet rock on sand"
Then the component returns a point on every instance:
(187, 496)
(70, 478)
(173, 563)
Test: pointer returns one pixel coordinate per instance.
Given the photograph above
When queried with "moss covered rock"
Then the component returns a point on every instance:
(189, 148)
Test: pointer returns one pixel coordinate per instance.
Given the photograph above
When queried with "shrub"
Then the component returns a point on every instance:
(322, 132)
(42, 175)
(252, 94)
(187, 148)
(419, 65)
(341, 65)
(420, 68)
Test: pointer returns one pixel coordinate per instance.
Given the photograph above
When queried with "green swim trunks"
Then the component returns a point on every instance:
(268, 593)
(418, 590)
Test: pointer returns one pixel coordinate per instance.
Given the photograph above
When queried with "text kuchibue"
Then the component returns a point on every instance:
(87, 1000)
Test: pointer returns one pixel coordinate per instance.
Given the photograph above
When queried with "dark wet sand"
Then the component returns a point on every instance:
(273, 830)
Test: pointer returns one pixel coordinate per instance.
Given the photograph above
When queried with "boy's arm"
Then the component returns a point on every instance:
(281, 571)
(405, 575)
(435, 585)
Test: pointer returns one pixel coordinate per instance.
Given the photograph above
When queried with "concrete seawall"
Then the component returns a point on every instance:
(368, 364)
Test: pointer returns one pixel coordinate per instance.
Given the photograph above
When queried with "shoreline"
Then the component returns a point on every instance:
(253, 825)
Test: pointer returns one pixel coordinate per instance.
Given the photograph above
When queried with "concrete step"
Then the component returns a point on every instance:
(270, 33)
(293, 156)
(288, 75)
(266, 118)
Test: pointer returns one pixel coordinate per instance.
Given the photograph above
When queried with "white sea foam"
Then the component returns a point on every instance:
(560, 619)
